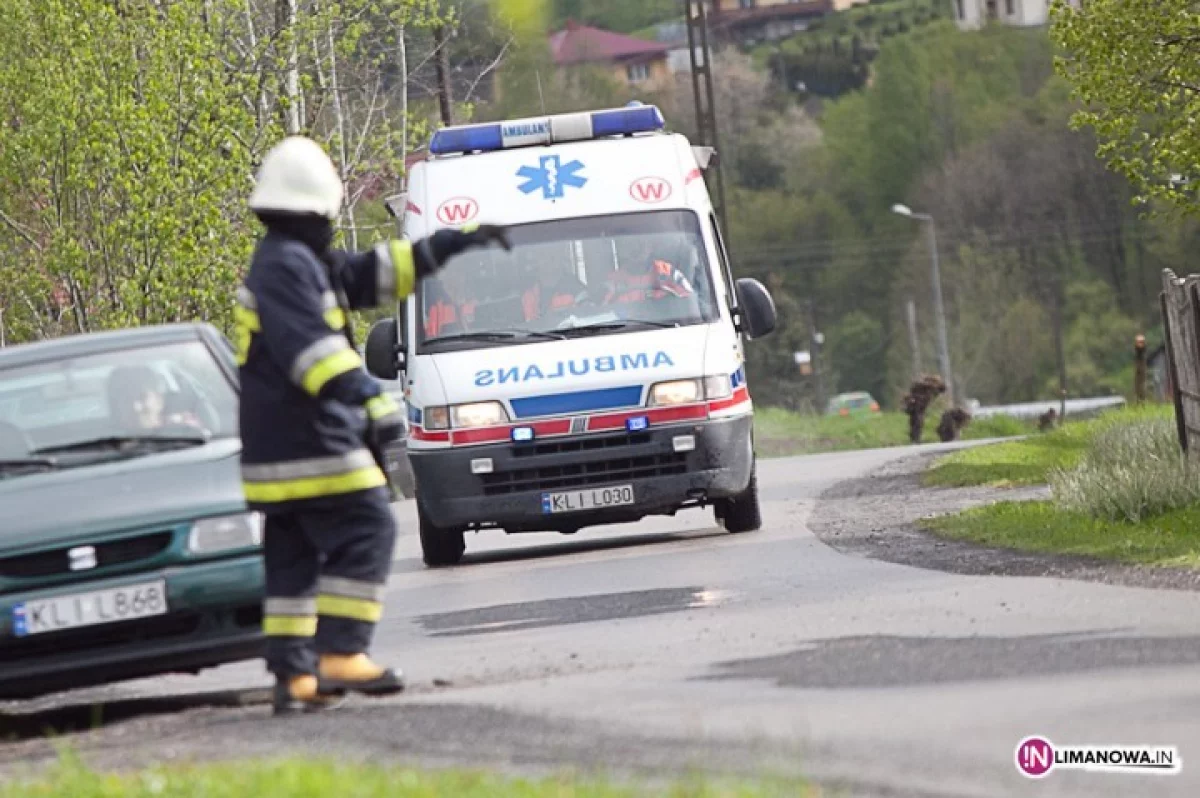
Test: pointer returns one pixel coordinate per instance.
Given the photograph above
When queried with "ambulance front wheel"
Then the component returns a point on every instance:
(439, 546)
(741, 513)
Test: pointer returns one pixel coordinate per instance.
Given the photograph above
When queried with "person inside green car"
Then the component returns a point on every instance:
(137, 401)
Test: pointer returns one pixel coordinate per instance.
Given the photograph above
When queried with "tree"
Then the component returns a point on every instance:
(1135, 65)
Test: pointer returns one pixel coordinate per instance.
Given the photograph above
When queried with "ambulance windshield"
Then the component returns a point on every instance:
(571, 277)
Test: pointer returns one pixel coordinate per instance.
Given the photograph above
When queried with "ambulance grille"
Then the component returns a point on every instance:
(590, 443)
(583, 475)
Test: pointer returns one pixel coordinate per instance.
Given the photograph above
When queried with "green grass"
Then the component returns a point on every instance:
(1032, 460)
(309, 779)
(1120, 490)
(1170, 539)
(781, 433)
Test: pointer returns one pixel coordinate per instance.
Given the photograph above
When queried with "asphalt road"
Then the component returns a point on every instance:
(674, 645)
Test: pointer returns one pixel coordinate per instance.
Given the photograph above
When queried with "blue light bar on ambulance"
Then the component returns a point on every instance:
(547, 130)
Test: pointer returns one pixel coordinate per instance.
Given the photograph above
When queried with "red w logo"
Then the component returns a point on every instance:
(650, 189)
(457, 210)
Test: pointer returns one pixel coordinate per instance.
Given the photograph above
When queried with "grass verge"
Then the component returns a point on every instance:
(781, 433)
(1170, 539)
(1032, 460)
(1120, 490)
(309, 779)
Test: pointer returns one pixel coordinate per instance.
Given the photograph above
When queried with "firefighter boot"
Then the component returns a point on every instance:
(305, 694)
(345, 672)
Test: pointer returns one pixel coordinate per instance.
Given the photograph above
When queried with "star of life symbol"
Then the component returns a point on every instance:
(552, 176)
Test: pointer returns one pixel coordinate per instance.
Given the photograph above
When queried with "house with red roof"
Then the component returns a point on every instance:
(638, 63)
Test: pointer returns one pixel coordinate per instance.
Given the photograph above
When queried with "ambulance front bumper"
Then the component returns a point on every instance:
(508, 484)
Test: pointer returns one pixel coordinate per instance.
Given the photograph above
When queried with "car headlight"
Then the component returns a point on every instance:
(478, 414)
(211, 535)
(677, 392)
(681, 392)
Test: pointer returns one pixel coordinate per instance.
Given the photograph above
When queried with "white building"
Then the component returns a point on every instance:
(974, 14)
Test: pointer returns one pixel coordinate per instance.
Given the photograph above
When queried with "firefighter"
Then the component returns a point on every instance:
(645, 277)
(312, 422)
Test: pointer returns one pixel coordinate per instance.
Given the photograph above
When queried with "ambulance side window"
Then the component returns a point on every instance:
(725, 272)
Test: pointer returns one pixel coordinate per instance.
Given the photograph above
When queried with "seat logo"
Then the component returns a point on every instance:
(457, 210)
(650, 189)
(81, 558)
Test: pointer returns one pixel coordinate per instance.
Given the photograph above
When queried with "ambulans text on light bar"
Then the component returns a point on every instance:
(546, 130)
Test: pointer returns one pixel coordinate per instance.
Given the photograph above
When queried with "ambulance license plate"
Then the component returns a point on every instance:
(572, 501)
(90, 609)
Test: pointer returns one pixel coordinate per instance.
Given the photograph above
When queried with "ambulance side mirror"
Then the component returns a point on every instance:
(756, 308)
(383, 351)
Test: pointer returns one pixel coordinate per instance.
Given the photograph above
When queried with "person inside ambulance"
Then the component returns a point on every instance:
(444, 315)
(553, 286)
(644, 276)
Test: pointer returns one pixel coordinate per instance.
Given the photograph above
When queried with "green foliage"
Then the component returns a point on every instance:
(856, 342)
(1134, 66)
(122, 166)
(621, 16)
(307, 778)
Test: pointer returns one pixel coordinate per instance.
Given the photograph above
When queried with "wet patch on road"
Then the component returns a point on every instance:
(572, 610)
(875, 516)
(886, 661)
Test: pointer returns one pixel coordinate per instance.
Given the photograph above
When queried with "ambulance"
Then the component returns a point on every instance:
(594, 374)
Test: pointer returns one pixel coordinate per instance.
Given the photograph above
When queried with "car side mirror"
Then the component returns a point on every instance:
(757, 308)
(383, 351)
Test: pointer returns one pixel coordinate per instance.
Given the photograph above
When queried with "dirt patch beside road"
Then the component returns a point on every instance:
(875, 516)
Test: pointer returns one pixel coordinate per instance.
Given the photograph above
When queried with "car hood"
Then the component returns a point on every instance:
(168, 487)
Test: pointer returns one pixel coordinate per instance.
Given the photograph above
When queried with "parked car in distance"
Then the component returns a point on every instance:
(125, 546)
(855, 403)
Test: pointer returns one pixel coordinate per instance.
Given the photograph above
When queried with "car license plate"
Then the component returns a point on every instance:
(90, 609)
(590, 499)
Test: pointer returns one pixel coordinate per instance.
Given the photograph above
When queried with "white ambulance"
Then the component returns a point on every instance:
(595, 373)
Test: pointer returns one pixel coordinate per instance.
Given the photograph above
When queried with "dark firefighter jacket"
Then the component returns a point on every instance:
(305, 396)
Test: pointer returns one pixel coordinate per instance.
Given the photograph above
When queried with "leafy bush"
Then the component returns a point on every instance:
(1129, 472)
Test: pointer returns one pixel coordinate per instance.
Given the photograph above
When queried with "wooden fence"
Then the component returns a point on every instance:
(1180, 303)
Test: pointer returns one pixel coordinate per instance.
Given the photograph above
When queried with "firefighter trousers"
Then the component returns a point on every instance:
(326, 567)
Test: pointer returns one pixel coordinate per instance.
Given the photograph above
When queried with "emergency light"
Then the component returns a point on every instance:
(547, 130)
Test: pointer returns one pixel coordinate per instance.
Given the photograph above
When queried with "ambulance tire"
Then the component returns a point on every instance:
(439, 547)
(741, 513)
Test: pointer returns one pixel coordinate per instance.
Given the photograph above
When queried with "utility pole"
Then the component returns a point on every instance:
(939, 309)
(815, 340)
(913, 344)
(702, 94)
(442, 67)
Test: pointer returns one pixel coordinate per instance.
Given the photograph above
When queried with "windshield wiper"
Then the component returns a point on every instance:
(125, 441)
(495, 335)
(611, 326)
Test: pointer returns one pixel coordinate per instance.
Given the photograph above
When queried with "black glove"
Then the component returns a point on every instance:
(431, 253)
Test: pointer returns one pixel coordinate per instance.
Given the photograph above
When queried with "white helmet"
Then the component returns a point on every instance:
(297, 176)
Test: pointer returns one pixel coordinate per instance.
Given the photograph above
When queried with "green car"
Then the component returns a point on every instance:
(856, 403)
(125, 546)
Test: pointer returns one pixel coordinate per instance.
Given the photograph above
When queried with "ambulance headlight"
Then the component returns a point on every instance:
(436, 418)
(718, 386)
(478, 414)
(211, 535)
(677, 392)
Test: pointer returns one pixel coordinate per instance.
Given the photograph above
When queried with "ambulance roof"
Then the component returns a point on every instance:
(568, 166)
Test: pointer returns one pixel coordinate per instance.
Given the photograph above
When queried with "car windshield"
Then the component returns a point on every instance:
(104, 404)
(568, 278)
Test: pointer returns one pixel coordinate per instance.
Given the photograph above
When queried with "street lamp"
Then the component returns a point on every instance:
(938, 309)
